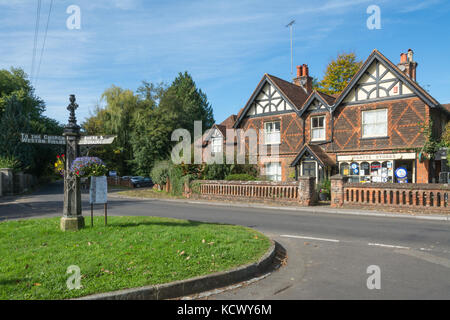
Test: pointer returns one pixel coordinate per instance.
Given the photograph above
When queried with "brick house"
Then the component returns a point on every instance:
(372, 131)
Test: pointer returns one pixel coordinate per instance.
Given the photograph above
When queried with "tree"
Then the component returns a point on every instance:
(339, 72)
(21, 111)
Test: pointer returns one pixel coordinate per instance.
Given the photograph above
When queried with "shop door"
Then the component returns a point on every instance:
(408, 165)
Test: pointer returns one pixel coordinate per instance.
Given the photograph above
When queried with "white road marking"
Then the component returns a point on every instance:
(309, 238)
(388, 246)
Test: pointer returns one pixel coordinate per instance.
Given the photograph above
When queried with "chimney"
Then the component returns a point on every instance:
(407, 64)
(303, 79)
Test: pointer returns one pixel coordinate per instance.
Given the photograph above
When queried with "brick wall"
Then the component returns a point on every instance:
(392, 195)
(302, 193)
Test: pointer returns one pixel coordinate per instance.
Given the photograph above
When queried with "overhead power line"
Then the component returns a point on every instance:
(36, 32)
(43, 44)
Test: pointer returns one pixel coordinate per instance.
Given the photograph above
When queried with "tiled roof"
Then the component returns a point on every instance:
(317, 152)
(321, 154)
(328, 98)
(294, 93)
(229, 122)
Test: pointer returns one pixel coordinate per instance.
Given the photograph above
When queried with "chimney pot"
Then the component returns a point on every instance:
(403, 58)
(305, 70)
(299, 71)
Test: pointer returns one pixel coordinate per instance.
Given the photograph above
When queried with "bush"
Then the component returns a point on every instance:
(240, 177)
(9, 163)
(160, 172)
(216, 171)
(325, 187)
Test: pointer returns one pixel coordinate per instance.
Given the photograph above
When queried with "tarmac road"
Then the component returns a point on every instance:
(328, 254)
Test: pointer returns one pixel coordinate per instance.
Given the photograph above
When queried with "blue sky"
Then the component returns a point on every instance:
(227, 46)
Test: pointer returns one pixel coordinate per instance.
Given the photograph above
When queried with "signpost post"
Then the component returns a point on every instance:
(72, 218)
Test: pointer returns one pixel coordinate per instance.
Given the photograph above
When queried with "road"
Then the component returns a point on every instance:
(328, 254)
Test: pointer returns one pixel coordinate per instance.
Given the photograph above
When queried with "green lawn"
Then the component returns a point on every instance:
(130, 252)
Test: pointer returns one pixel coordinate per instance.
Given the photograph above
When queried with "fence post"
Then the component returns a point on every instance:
(337, 190)
(306, 190)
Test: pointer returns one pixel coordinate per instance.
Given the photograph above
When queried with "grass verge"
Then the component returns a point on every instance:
(130, 252)
(149, 193)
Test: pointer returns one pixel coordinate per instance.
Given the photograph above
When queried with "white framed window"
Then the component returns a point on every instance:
(318, 128)
(273, 171)
(374, 123)
(272, 132)
(217, 144)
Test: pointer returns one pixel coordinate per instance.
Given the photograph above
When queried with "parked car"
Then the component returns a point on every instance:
(139, 182)
(126, 178)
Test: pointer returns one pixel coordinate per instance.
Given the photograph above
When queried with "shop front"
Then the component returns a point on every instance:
(378, 168)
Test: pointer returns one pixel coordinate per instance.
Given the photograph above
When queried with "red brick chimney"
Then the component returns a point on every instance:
(408, 65)
(303, 79)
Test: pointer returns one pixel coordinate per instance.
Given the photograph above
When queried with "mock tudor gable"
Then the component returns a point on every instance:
(273, 96)
(377, 80)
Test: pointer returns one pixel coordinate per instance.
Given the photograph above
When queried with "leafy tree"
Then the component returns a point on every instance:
(144, 122)
(339, 72)
(21, 111)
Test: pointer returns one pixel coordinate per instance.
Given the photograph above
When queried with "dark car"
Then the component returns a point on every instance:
(139, 182)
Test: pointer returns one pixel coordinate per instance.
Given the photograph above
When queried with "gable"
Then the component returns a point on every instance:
(378, 81)
(317, 105)
(268, 100)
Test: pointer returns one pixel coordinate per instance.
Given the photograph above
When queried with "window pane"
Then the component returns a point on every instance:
(277, 126)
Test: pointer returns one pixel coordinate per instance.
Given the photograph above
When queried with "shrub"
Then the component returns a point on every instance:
(10, 163)
(160, 172)
(325, 187)
(240, 177)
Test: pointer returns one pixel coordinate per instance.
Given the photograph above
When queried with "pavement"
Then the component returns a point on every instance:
(329, 255)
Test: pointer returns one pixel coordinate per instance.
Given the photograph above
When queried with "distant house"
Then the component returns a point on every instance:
(368, 132)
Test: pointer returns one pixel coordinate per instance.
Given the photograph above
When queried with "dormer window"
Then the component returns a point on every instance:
(318, 128)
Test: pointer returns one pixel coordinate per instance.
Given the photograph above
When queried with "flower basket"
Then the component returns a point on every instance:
(88, 167)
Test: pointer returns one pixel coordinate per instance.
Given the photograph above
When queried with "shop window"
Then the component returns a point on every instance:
(354, 172)
(365, 172)
(375, 171)
(374, 123)
(344, 169)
